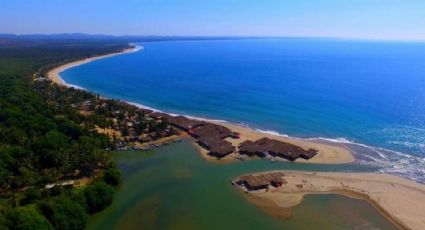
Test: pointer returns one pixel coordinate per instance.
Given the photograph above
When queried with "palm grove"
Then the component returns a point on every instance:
(44, 139)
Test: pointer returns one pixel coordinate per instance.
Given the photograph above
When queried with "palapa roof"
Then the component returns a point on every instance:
(212, 130)
(262, 180)
(217, 146)
(275, 147)
(254, 181)
(184, 122)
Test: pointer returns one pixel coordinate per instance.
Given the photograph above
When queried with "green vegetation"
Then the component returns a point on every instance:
(46, 144)
(26, 219)
(63, 213)
(112, 177)
(98, 196)
(31, 195)
(38, 143)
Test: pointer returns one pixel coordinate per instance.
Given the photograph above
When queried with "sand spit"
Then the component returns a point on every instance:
(401, 200)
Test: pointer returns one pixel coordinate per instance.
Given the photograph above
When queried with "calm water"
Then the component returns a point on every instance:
(370, 93)
(173, 188)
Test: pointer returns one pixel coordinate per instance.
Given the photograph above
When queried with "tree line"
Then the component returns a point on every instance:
(41, 144)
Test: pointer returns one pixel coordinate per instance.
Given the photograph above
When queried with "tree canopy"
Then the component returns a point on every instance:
(26, 219)
(43, 138)
(64, 214)
(98, 196)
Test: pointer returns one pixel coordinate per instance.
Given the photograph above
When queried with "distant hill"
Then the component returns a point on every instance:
(4, 38)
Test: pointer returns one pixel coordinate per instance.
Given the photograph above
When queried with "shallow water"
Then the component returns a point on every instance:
(174, 188)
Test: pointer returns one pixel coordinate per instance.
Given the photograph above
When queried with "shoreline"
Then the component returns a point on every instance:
(54, 74)
(398, 199)
(387, 160)
(329, 153)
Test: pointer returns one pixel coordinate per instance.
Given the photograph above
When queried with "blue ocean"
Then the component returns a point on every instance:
(369, 95)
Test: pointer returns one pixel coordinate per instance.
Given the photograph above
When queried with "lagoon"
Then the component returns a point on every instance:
(174, 188)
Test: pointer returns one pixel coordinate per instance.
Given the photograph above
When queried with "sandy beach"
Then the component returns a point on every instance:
(54, 74)
(327, 153)
(400, 200)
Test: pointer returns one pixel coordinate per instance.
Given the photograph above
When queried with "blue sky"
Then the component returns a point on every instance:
(369, 19)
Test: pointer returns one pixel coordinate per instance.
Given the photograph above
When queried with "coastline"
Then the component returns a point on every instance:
(398, 199)
(327, 153)
(54, 74)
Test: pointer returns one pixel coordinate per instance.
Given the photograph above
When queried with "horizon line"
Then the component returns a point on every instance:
(216, 36)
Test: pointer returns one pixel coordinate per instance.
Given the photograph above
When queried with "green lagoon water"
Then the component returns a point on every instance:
(174, 188)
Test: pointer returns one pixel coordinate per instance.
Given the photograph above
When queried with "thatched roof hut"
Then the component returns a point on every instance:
(266, 146)
(263, 181)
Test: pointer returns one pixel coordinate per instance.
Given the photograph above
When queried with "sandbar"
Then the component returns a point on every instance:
(400, 200)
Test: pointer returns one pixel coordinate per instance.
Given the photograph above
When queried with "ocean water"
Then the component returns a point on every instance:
(367, 95)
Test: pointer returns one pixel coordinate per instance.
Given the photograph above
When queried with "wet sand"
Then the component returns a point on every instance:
(400, 200)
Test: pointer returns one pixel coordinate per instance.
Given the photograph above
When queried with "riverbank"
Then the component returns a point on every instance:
(398, 199)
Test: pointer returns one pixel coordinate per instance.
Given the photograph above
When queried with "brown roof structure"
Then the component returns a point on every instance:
(266, 146)
(212, 137)
(216, 147)
(216, 131)
(252, 182)
(209, 136)
(184, 123)
(159, 115)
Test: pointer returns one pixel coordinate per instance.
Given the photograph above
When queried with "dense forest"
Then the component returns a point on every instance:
(43, 146)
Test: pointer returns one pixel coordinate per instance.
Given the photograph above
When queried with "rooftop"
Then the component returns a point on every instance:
(275, 148)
